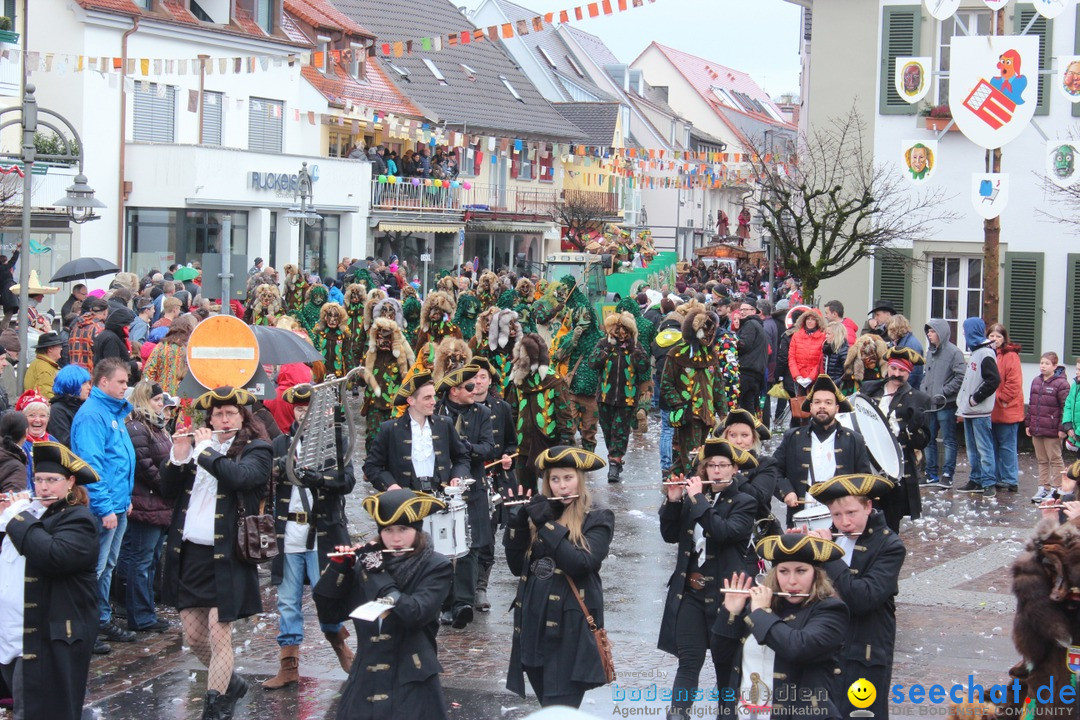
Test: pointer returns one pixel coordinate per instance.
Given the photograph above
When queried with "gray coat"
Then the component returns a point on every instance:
(981, 380)
(945, 364)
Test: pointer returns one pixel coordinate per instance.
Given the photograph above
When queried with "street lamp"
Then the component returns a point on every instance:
(79, 201)
(305, 211)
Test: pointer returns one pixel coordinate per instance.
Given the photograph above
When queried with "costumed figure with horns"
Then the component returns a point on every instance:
(623, 367)
(331, 339)
(691, 385)
(556, 545)
(435, 324)
(267, 306)
(712, 522)
(573, 349)
(544, 418)
(295, 289)
(399, 674)
(48, 587)
(498, 341)
(386, 364)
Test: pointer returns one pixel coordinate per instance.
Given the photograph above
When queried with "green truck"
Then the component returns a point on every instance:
(605, 290)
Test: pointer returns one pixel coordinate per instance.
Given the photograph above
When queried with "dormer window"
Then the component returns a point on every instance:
(470, 74)
(358, 62)
(322, 57)
(547, 58)
(261, 11)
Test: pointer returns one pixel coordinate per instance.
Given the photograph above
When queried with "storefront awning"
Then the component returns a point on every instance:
(420, 227)
(507, 226)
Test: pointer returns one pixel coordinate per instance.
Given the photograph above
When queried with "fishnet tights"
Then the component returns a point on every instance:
(211, 641)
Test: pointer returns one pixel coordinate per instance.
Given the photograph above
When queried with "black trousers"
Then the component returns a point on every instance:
(463, 589)
(692, 637)
(13, 676)
(750, 386)
(536, 679)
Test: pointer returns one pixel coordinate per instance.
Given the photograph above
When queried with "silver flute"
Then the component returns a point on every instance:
(526, 501)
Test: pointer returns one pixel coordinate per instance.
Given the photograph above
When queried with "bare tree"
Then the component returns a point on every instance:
(837, 206)
(581, 213)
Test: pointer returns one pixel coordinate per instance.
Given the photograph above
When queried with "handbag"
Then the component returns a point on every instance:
(603, 645)
(256, 537)
(796, 408)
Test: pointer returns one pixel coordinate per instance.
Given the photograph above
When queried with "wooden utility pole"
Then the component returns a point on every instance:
(992, 228)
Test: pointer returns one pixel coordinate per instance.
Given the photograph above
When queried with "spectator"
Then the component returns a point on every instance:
(13, 476)
(256, 267)
(36, 409)
(753, 348)
(78, 295)
(879, 318)
(944, 374)
(102, 439)
(167, 364)
(834, 312)
(974, 403)
(112, 342)
(805, 353)
(377, 162)
(43, 368)
(10, 347)
(423, 164)
(391, 164)
(1070, 419)
(168, 290)
(1046, 405)
(900, 335)
(171, 309)
(70, 388)
(8, 299)
(140, 326)
(85, 331)
(1008, 407)
(835, 351)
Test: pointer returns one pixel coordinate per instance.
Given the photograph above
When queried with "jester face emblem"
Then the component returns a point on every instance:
(912, 78)
(1064, 161)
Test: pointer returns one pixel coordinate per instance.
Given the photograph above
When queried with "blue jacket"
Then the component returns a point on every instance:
(910, 341)
(99, 436)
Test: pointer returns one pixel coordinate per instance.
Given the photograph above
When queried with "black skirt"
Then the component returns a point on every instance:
(197, 587)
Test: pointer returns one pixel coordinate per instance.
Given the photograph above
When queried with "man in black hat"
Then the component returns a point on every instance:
(867, 578)
(904, 408)
(418, 450)
(819, 450)
(473, 424)
(46, 363)
(880, 314)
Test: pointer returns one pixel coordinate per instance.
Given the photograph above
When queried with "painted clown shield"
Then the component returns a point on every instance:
(1073, 659)
(994, 87)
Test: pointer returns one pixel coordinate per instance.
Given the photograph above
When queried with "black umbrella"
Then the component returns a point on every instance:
(83, 268)
(278, 346)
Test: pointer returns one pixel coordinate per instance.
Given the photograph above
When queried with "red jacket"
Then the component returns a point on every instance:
(288, 375)
(852, 330)
(1009, 403)
(805, 355)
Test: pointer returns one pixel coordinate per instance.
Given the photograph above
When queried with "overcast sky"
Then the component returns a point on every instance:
(760, 37)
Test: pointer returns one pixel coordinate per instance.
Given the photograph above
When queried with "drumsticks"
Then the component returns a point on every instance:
(778, 594)
(498, 462)
(528, 500)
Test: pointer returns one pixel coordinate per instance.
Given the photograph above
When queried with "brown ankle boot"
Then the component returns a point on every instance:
(289, 672)
(339, 641)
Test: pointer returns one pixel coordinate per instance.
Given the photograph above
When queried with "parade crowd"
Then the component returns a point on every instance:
(483, 403)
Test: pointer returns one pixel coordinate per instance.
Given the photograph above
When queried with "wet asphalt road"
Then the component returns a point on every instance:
(954, 615)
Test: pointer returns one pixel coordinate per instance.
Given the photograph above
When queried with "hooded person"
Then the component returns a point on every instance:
(356, 340)
(691, 385)
(295, 289)
(331, 338)
(267, 305)
(865, 362)
(113, 340)
(623, 368)
(373, 298)
(452, 353)
(573, 349)
(520, 299)
(539, 397)
(942, 378)
(308, 315)
(488, 290)
(400, 642)
(466, 311)
(435, 324)
(386, 364)
(975, 403)
(410, 309)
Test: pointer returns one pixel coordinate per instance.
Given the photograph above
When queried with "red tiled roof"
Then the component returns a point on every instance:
(321, 14)
(377, 93)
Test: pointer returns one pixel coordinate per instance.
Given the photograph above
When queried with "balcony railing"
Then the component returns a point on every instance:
(607, 203)
(404, 197)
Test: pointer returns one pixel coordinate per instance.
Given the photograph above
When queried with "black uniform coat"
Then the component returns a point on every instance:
(909, 407)
(869, 588)
(545, 610)
(793, 459)
(727, 526)
(474, 422)
(806, 638)
(60, 616)
(760, 484)
(504, 435)
(247, 474)
(396, 673)
(327, 526)
(389, 461)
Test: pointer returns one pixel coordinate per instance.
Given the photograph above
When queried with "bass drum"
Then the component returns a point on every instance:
(868, 421)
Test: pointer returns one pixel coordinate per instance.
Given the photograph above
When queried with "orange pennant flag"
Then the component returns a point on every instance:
(538, 23)
(607, 7)
(564, 16)
(507, 30)
(399, 49)
(622, 5)
(549, 17)
(594, 10)
(578, 13)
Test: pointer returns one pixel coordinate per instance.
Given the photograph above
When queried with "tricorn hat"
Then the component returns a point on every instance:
(742, 416)
(824, 383)
(298, 394)
(52, 457)
(456, 377)
(859, 484)
(224, 395)
(482, 363)
(904, 357)
(401, 507)
(795, 547)
(565, 456)
(719, 447)
(413, 381)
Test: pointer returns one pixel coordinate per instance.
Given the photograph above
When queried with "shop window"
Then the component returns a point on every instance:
(265, 124)
(154, 110)
(157, 237)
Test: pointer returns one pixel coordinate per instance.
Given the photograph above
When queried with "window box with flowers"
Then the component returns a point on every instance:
(938, 118)
(7, 36)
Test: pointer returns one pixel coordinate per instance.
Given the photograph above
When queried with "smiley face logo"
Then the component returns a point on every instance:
(862, 693)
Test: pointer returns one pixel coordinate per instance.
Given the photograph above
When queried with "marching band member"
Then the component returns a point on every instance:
(819, 450)
(472, 422)
(904, 407)
(743, 430)
(712, 521)
(48, 588)
(310, 522)
(867, 579)
(399, 674)
(762, 637)
(419, 450)
(556, 544)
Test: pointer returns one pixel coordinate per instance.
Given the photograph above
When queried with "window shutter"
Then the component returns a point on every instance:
(212, 102)
(265, 119)
(1044, 29)
(899, 37)
(893, 278)
(515, 163)
(155, 117)
(1072, 310)
(1076, 49)
(1024, 302)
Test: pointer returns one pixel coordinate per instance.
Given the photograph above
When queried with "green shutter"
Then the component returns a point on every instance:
(1076, 49)
(900, 26)
(1024, 302)
(1044, 29)
(1072, 311)
(893, 278)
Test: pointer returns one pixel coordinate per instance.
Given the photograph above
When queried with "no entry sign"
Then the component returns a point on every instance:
(222, 351)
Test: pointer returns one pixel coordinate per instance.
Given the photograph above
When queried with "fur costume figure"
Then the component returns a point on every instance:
(691, 384)
(448, 285)
(478, 343)
(374, 297)
(310, 313)
(1046, 626)
(450, 354)
(390, 309)
(468, 309)
(435, 324)
(355, 296)
(330, 338)
(623, 367)
(497, 342)
(865, 361)
(267, 307)
(520, 299)
(252, 285)
(646, 335)
(410, 308)
(295, 289)
(547, 307)
(488, 288)
(573, 348)
(540, 401)
(386, 362)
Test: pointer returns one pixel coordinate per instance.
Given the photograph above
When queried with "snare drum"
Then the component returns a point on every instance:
(815, 517)
(449, 530)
